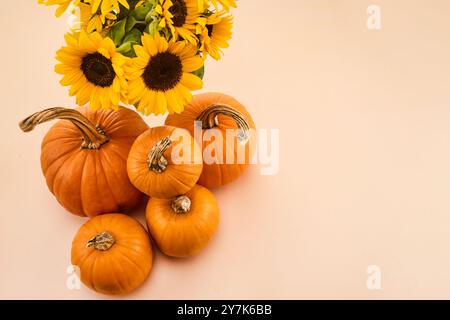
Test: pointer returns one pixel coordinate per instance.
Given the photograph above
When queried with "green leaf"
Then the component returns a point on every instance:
(131, 39)
(118, 32)
(131, 22)
(152, 27)
(141, 12)
(131, 53)
(200, 72)
(133, 36)
(125, 48)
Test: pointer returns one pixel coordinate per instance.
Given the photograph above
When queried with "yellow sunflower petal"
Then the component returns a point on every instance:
(191, 81)
(192, 64)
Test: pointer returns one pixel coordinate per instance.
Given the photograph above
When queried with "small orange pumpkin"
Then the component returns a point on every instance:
(152, 167)
(83, 158)
(183, 226)
(113, 254)
(220, 112)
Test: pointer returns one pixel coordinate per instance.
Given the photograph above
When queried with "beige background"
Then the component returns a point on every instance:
(364, 166)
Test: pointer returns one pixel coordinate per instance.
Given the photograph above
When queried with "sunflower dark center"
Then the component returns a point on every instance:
(98, 69)
(163, 72)
(179, 12)
(210, 28)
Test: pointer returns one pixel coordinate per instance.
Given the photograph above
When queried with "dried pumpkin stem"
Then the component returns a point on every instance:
(181, 204)
(102, 242)
(93, 136)
(156, 160)
(210, 119)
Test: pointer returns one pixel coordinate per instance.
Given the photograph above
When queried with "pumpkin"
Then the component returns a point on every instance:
(182, 226)
(83, 158)
(113, 254)
(219, 112)
(156, 169)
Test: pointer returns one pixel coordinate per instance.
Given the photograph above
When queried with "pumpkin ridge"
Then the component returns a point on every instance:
(81, 184)
(85, 257)
(174, 179)
(58, 172)
(106, 159)
(202, 222)
(184, 172)
(46, 140)
(218, 172)
(122, 254)
(167, 227)
(116, 126)
(125, 138)
(119, 154)
(51, 184)
(167, 224)
(113, 196)
(127, 248)
(91, 273)
(115, 275)
(104, 118)
(59, 156)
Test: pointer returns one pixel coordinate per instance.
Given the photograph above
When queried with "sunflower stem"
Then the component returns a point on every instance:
(93, 136)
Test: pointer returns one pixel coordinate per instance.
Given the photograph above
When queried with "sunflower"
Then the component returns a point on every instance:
(63, 5)
(226, 4)
(93, 69)
(180, 17)
(106, 6)
(215, 31)
(94, 22)
(160, 77)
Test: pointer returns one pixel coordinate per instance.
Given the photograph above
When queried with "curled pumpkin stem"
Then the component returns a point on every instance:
(156, 160)
(181, 204)
(210, 119)
(93, 136)
(102, 241)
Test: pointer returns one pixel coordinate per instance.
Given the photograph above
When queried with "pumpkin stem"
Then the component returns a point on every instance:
(93, 136)
(210, 119)
(102, 242)
(156, 160)
(181, 204)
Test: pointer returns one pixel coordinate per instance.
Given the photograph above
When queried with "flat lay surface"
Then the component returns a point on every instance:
(364, 158)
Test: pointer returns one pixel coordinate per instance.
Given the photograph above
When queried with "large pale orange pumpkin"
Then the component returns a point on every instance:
(219, 112)
(183, 226)
(113, 254)
(164, 162)
(83, 158)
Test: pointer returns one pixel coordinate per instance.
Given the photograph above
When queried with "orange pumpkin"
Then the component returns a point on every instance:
(113, 254)
(157, 169)
(183, 226)
(83, 158)
(219, 112)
